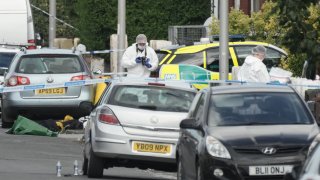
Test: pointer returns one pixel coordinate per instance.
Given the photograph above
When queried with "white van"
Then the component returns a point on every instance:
(16, 23)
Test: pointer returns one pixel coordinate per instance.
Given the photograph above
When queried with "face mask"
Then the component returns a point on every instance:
(141, 47)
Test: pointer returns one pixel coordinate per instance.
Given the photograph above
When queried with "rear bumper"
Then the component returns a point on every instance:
(112, 142)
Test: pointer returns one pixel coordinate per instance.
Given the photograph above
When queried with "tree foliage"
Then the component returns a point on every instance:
(65, 10)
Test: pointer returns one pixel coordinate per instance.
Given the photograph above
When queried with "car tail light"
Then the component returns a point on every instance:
(32, 41)
(156, 84)
(107, 116)
(81, 77)
(18, 80)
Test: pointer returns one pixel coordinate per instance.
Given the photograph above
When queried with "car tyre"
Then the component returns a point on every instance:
(179, 170)
(4, 120)
(199, 172)
(85, 165)
(95, 165)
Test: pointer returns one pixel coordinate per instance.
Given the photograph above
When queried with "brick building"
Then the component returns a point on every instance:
(247, 6)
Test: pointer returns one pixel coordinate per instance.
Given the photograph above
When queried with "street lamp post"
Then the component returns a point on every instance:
(224, 40)
(121, 32)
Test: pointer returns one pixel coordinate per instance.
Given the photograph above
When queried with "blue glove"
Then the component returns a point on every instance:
(138, 59)
(147, 63)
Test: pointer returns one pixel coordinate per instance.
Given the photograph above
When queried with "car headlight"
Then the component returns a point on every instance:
(216, 148)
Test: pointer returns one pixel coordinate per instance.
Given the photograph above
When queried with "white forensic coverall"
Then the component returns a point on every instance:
(137, 69)
(253, 70)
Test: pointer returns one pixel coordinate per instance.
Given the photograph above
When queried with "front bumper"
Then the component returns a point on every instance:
(238, 168)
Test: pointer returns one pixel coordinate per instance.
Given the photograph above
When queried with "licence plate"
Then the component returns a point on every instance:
(269, 170)
(51, 91)
(151, 147)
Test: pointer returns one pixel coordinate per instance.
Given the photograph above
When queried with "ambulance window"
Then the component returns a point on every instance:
(191, 58)
(213, 60)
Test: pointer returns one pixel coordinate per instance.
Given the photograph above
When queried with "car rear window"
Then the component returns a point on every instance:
(49, 64)
(152, 98)
(257, 109)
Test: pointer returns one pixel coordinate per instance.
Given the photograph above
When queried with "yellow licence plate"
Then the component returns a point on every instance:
(51, 91)
(152, 147)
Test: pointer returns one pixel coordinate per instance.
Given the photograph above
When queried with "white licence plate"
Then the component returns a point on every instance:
(269, 170)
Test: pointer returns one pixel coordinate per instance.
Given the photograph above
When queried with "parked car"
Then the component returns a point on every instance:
(207, 55)
(136, 124)
(311, 167)
(40, 66)
(244, 132)
(6, 55)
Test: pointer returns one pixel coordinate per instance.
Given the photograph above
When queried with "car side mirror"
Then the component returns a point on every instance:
(189, 123)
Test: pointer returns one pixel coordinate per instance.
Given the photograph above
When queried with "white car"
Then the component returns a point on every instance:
(136, 124)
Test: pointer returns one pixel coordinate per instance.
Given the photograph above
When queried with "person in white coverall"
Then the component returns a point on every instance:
(140, 59)
(253, 69)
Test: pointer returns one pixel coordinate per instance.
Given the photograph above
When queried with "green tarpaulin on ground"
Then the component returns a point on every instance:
(26, 126)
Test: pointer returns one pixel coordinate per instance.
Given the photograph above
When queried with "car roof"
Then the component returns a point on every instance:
(251, 88)
(9, 49)
(49, 51)
(153, 81)
(201, 47)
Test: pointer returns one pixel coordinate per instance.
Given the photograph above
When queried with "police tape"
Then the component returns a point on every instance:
(121, 77)
(103, 51)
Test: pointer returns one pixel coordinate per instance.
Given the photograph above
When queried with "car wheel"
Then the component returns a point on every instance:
(95, 165)
(85, 165)
(179, 170)
(199, 172)
(6, 121)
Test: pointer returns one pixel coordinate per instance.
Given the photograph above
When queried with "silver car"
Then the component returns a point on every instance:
(31, 67)
(136, 124)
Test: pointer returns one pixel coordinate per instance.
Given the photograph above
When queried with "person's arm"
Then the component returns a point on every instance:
(128, 59)
(154, 61)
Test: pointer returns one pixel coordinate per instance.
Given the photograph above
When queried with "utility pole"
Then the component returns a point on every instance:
(121, 32)
(52, 22)
(224, 40)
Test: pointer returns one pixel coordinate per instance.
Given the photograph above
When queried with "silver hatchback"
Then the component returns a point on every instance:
(45, 66)
(136, 124)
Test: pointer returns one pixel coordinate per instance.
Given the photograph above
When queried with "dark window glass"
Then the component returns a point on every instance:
(213, 60)
(199, 111)
(6, 58)
(257, 109)
(192, 58)
(153, 98)
(43, 64)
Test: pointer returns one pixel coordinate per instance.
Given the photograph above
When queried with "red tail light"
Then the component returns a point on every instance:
(107, 116)
(33, 46)
(18, 80)
(81, 77)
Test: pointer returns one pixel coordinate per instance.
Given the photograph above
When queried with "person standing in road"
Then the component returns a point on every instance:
(140, 59)
(253, 69)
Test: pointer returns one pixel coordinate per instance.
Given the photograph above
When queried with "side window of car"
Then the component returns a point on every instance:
(272, 58)
(190, 58)
(198, 113)
(242, 52)
(213, 60)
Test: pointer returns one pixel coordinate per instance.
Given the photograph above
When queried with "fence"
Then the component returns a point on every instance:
(186, 34)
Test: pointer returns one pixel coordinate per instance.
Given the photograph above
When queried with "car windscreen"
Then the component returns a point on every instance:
(152, 97)
(257, 109)
(49, 64)
(6, 58)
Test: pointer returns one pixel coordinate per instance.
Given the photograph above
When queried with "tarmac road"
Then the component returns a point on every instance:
(30, 157)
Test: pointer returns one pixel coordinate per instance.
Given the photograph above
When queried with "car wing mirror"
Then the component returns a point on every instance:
(189, 123)
(97, 72)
